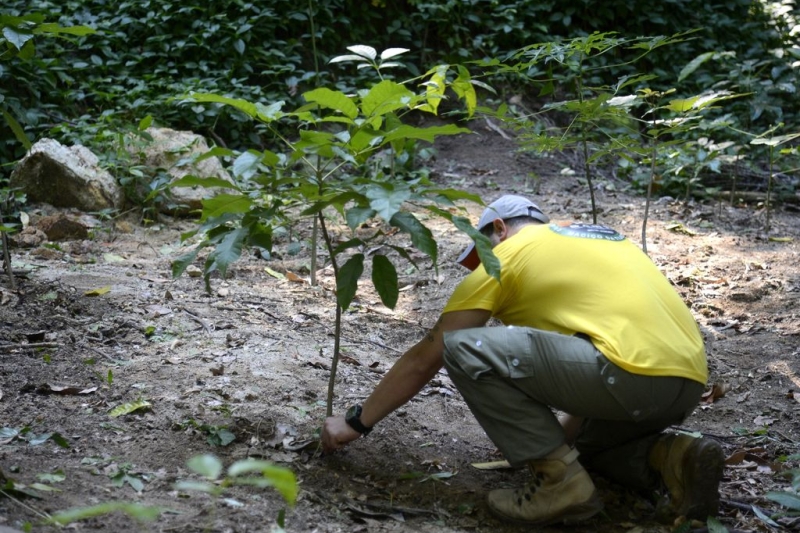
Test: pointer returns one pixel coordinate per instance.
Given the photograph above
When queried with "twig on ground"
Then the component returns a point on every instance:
(30, 345)
(198, 320)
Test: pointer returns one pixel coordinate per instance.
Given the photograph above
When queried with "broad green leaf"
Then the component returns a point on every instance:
(145, 123)
(246, 107)
(180, 264)
(55, 477)
(715, 526)
(386, 97)
(198, 486)
(279, 477)
(227, 251)
(465, 90)
(98, 292)
(384, 278)
(139, 512)
(421, 236)
(224, 437)
(352, 243)
(347, 57)
(9, 433)
(43, 488)
(787, 499)
(128, 408)
(53, 28)
(694, 64)
(335, 100)
(363, 50)
(392, 52)
(489, 261)
(425, 134)
(208, 466)
(16, 38)
(196, 181)
(347, 281)
(434, 89)
(226, 204)
(775, 141)
(246, 165)
(356, 216)
(386, 202)
(19, 133)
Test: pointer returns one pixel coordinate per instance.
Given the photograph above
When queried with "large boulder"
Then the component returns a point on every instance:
(66, 177)
(174, 151)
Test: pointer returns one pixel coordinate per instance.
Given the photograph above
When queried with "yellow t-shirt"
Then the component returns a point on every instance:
(583, 278)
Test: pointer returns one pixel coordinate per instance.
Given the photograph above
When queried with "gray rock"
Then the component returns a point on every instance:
(172, 151)
(66, 177)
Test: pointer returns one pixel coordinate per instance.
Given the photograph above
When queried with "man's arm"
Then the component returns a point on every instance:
(405, 379)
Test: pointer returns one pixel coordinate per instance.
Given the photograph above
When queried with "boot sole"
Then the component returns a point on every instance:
(570, 516)
(703, 464)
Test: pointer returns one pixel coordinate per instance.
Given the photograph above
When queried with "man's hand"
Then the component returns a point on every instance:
(336, 433)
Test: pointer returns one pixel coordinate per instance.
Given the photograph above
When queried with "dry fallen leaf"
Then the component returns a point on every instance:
(718, 390)
(97, 292)
(291, 276)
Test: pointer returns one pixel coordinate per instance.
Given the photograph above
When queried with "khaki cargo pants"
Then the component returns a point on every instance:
(513, 378)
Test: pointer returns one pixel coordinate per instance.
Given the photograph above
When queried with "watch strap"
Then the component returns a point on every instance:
(353, 419)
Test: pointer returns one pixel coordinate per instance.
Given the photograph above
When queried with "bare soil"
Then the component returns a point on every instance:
(254, 358)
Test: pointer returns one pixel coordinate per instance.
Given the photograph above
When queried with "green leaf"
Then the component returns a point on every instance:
(8, 433)
(489, 261)
(128, 408)
(425, 134)
(226, 204)
(364, 51)
(787, 499)
(53, 28)
(694, 64)
(16, 38)
(145, 123)
(465, 90)
(386, 201)
(139, 512)
(56, 477)
(227, 251)
(196, 181)
(281, 478)
(19, 133)
(336, 100)
(385, 97)
(198, 486)
(421, 236)
(246, 165)
(208, 466)
(356, 216)
(258, 111)
(347, 281)
(384, 278)
(180, 264)
(715, 526)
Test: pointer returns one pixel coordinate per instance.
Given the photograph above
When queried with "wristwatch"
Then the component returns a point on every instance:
(353, 419)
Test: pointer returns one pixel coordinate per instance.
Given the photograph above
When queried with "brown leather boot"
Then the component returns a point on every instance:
(691, 469)
(560, 491)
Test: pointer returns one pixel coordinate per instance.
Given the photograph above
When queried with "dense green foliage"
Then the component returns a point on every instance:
(146, 52)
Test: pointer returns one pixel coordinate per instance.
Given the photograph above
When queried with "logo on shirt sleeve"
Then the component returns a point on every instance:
(586, 231)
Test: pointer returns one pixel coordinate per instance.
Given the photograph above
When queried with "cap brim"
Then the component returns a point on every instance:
(469, 257)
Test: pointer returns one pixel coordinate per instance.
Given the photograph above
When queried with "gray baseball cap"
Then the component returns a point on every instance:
(505, 207)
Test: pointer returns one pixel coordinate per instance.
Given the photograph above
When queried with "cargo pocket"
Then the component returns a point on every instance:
(634, 393)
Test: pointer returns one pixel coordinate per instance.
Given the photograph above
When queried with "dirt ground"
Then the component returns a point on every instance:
(252, 361)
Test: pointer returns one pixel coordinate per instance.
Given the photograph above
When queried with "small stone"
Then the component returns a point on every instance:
(193, 271)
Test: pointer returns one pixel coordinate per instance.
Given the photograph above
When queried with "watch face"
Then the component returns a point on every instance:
(353, 412)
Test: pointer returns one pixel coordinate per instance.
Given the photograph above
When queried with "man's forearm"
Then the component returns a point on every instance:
(404, 380)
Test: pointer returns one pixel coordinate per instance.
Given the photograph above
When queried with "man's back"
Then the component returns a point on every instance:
(578, 278)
